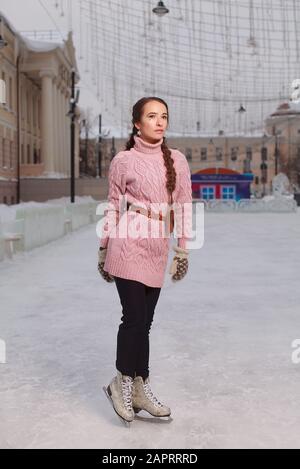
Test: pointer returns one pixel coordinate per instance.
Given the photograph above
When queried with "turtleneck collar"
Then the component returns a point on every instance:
(145, 147)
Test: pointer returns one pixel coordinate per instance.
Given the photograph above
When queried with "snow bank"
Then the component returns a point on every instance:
(8, 213)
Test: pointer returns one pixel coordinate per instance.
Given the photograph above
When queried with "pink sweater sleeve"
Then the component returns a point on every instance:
(183, 208)
(116, 189)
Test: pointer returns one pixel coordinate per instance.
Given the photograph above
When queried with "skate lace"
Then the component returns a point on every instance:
(127, 387)
(151, 396)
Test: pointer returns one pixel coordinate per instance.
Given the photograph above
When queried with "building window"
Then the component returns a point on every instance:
(28, 154)
(256, 180)
(12, 200)
(28, 107)
(228, 192)
(208, 192)
(10, 94)
(264, 153)
(203, 154)
(11, 155)
(247, 166)
(22, 154)
(22, 103)
(234, 153)
(3, 153)
(35, 156)
(33, 112)
(189, 154)
(5, 87)
(5, 200)
(249, 153)
(39, 113)
(219, 154)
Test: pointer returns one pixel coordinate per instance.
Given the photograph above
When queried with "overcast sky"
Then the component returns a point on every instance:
(21, 14)
(205, 58)
(30, 15)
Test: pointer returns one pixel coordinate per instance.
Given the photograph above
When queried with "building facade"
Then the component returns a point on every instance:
(8, 117)
(284, 125)
(34, 125)
(276, 150)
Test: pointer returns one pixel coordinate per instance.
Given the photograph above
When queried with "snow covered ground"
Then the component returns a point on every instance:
(220, 343)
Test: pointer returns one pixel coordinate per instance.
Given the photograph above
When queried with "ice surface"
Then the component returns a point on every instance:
(220, 343)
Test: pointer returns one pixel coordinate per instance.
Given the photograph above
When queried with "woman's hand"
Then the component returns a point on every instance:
(180, 264)
(101, 261)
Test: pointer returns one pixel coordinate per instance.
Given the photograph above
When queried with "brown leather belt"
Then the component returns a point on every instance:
(147, 212)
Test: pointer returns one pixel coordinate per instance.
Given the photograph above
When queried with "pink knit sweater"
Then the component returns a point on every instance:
(139, 175)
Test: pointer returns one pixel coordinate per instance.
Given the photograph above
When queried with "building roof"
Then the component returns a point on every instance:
(217, 171)
(285, 109)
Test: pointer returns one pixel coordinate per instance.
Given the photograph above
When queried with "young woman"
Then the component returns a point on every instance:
(149, 175)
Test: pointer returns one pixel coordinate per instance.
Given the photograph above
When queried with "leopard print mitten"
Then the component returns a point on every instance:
(101, 261)
(180, 264)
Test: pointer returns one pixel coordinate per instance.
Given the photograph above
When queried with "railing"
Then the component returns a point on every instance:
(276, 205)
(37, 226)
(48, 35)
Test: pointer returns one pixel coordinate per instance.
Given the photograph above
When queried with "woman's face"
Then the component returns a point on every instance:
(154, 121)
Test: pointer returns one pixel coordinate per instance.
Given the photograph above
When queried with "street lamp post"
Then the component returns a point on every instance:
(86, 153)
(99, 169)
(72, 115)
(73, 107)
(100, 136)
(264, 168)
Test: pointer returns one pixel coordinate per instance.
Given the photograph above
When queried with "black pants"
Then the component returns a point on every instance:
(138, 301)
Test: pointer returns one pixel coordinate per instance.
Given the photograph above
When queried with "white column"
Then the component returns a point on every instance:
(30, 96)
(68, 136)
(77, 143)
(58, 130)
(47, 137)
(55, 143)
(63, 112)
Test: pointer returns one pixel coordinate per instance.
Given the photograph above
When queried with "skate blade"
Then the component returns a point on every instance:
(153, 419)
(125, 422)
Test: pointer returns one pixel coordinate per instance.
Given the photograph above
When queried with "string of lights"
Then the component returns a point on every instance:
(208, 59)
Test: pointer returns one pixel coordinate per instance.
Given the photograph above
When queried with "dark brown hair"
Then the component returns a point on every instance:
(137, 113)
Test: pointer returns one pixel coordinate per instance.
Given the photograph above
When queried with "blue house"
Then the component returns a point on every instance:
(221, 183)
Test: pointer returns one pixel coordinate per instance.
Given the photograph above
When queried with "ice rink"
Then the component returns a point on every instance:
(221, 343)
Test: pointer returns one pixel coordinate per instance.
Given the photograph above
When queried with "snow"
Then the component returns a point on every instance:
(220, 343)
(41, 46)
(8, 212)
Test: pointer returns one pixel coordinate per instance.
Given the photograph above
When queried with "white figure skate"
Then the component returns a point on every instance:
(143, 399)
(119, 393)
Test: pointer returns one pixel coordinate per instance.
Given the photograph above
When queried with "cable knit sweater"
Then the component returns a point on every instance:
(140, 175)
